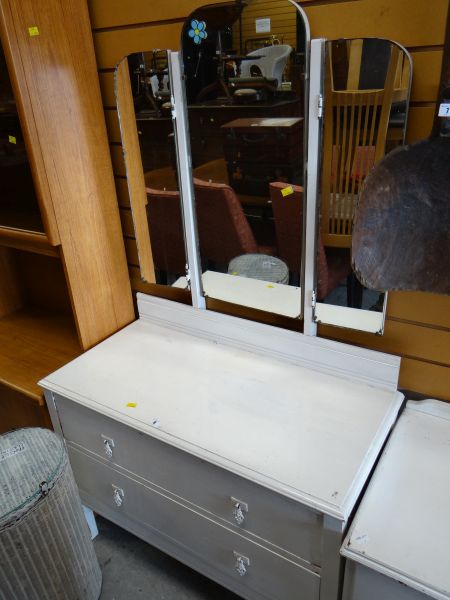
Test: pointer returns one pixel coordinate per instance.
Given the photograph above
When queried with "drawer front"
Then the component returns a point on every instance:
(239, 502)
(218, 552)
(362, 583)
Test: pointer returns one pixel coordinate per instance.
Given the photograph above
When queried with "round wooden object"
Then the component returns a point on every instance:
(46, 549)
(401, 233)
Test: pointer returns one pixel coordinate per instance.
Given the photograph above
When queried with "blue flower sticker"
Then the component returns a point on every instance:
(198, 31)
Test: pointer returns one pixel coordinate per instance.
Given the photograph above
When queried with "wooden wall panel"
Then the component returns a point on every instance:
(117, 13)
(425, 378)
(426, 73)
(112, 46)
(122, 192)
(409, 339)
(429, 309)
(106, 79)
(410, 22)
(420, 122)
(112, 125)
(418, 325)
(118, 161)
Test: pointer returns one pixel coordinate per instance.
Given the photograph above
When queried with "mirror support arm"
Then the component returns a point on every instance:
(313, 168)
(179, 117)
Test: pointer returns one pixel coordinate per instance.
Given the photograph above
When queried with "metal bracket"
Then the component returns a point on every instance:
(320, 106)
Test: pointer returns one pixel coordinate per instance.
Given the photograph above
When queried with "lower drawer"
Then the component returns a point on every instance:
(232, 560)
(263, 513)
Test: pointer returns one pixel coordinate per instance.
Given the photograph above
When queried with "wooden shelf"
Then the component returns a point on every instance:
(22, 239)
(24, 218)
(33, 343)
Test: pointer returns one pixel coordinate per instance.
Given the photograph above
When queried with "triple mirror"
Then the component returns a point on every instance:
(245, 95)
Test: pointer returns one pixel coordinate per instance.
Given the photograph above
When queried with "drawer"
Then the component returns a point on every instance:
(261, 512)
(219, 553)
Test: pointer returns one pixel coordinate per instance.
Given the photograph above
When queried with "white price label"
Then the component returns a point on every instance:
(444, 110)
(262, 25)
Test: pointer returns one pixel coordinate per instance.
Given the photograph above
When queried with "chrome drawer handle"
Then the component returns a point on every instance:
(108, 445)
(238, 515)
(118, 495)
(242, 562)
(239, 508)
(108, 449)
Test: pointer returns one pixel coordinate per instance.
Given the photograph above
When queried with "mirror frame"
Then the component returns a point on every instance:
(319, 57)
(182, 139)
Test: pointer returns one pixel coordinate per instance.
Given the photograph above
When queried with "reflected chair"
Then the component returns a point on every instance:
(223, 229)
(356, 124)
(333, 264)
(271, 64)
(166, 232)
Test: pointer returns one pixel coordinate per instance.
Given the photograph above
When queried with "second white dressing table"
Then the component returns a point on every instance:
(239, 448)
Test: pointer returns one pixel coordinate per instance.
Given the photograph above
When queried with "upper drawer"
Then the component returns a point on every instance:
(261, 512)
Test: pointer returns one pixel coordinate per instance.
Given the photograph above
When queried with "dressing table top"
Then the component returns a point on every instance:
(309, 435)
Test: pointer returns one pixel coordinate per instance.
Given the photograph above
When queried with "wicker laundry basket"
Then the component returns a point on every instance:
(46, 552)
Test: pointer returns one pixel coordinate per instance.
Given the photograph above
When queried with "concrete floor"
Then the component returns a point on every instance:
(133, 569)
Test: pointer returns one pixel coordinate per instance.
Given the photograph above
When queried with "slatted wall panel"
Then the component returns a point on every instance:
(418, 325)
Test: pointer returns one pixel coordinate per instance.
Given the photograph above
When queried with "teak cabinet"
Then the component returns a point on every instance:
(64, 283)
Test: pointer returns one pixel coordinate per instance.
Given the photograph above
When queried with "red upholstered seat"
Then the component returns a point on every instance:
(333, 263)
(166, 231)
(223, 229)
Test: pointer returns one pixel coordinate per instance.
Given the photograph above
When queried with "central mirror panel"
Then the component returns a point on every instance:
(244, 73)
(366, 97)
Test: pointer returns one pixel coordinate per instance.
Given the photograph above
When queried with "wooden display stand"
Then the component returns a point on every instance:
(63, 277)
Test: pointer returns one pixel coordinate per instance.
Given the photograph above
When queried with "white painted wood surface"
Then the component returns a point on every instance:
(402, 527)
(308, 435)
(335, 358)
(262, 295)
(350, 318)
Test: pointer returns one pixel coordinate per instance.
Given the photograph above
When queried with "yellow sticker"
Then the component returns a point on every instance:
(287, 191)
(12, 139)
(270, 285)
(33, 31)
(132, 404)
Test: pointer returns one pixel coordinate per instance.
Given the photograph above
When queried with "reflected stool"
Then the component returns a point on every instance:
(260, 266)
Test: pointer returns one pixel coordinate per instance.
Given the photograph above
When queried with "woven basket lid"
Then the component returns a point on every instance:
(30, 461)
(260, 266)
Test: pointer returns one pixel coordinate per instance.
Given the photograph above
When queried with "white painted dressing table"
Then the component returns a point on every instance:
(238, 448)
(399, 542)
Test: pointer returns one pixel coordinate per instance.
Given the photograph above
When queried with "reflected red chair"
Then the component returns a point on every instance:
(223, 229)
(333, 264)
(166, 231)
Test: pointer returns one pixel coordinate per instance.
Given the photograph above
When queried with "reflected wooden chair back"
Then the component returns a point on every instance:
(288, 216)
(356, 123)
(223, 229)
(166, 231)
